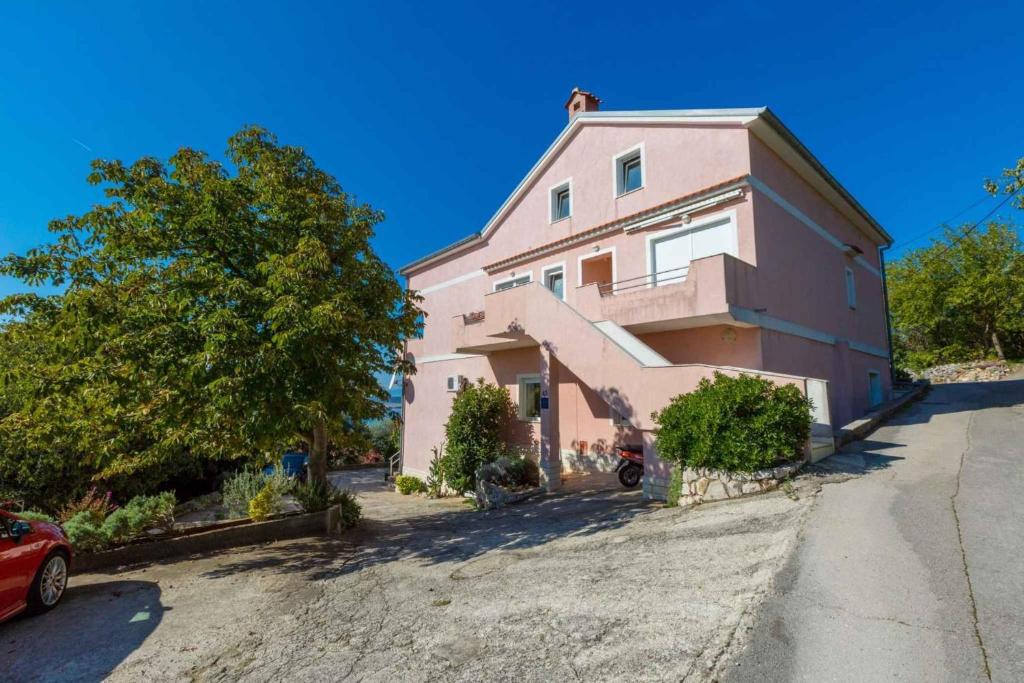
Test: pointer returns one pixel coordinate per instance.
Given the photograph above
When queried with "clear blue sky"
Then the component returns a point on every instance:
(433, 112)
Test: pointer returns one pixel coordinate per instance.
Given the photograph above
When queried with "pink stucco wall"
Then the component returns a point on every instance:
(782, 269)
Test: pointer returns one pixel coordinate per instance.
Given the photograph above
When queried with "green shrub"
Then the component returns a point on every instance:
(154, 512)
(407, 483)
(314, 496)
(34, 516)
(349, 508)
(87, 531)
(246, 484)
(435, 475)
(84, 533)
(475, 433)
(675, 487)
(740, 424)
(240, 488)
(121, 526)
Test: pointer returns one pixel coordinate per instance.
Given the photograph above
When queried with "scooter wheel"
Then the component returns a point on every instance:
(630, 476)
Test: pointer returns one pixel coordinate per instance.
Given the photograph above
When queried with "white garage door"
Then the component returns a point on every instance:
(672, 253)
(670, 258)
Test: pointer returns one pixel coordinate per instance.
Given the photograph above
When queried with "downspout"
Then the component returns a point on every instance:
(888, 316)
(401, 445)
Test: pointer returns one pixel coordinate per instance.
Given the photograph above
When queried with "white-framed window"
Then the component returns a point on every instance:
(851, 289)
(561, 201)
(529, 397)
(630, 170)
(670, 251)
(553, 277)
(513, 281)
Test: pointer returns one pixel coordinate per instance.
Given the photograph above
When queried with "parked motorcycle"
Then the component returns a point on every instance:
(631, 465)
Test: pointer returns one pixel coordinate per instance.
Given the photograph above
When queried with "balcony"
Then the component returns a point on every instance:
(702, 294)
(699, 295)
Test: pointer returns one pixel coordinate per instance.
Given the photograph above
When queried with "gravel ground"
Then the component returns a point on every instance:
(589, 586)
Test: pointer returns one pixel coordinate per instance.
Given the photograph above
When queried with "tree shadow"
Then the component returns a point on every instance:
(856, 458)
(960, 397)
(95, 628)
(452, 537)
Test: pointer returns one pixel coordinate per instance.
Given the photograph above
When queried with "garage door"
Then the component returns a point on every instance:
(672, 253)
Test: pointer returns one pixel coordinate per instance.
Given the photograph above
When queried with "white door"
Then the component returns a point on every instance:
(670, 258)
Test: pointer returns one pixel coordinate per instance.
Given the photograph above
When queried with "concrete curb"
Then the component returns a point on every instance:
(292, 526)
(860, 428)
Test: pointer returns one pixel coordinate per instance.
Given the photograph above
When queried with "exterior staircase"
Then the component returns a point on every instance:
(628, 374)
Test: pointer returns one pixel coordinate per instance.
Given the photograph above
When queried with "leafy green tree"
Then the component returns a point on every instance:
(960, 297)
(216, 310)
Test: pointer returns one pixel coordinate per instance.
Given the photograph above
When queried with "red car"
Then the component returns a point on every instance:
(34, 561)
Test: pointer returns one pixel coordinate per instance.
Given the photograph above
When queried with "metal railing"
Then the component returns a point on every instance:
(393, 462)
(606, 288)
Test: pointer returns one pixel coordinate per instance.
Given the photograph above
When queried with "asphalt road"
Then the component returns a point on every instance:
(912, 570)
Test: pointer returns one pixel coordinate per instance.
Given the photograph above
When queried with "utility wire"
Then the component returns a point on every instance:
(974, 227)
(942, 224)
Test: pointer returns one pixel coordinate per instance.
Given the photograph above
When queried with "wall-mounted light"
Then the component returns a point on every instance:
(597, 247)
(686, 219)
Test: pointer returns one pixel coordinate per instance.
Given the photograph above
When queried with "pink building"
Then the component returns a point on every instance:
(643, 251)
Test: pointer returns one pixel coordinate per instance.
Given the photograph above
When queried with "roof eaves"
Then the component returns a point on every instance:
(409, 267)
(771, 119)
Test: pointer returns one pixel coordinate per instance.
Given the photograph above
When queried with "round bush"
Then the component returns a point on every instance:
(740, 424)
(476, 432)
(407, 483)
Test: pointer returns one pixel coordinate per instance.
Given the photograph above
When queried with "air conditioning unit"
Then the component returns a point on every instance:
(455, 382)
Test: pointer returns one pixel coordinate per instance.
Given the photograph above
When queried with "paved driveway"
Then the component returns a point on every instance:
(912, 572)
(588, 586)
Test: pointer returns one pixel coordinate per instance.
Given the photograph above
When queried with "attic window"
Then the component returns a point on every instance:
(561, 201)
(629, 171)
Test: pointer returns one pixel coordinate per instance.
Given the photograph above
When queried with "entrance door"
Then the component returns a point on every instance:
(874, 388)
(670, 258)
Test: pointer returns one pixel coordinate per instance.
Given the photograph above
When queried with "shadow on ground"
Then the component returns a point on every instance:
(958, 398)
(449, 536)
(86, 637)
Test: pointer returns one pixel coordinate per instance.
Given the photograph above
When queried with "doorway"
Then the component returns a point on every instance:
(599, 268)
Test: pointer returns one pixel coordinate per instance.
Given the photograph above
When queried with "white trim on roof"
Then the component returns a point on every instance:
(759, 120)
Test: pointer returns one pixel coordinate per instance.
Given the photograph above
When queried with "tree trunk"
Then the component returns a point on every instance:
(998, 346)
(318, 454)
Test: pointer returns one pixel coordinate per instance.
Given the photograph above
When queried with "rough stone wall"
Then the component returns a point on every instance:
(702, 485)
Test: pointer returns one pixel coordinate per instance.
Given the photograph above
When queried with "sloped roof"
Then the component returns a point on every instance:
(760, 120)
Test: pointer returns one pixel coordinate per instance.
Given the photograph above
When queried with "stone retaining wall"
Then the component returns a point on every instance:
(703, 485)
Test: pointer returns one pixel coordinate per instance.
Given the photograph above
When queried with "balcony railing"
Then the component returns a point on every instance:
(672, 275)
